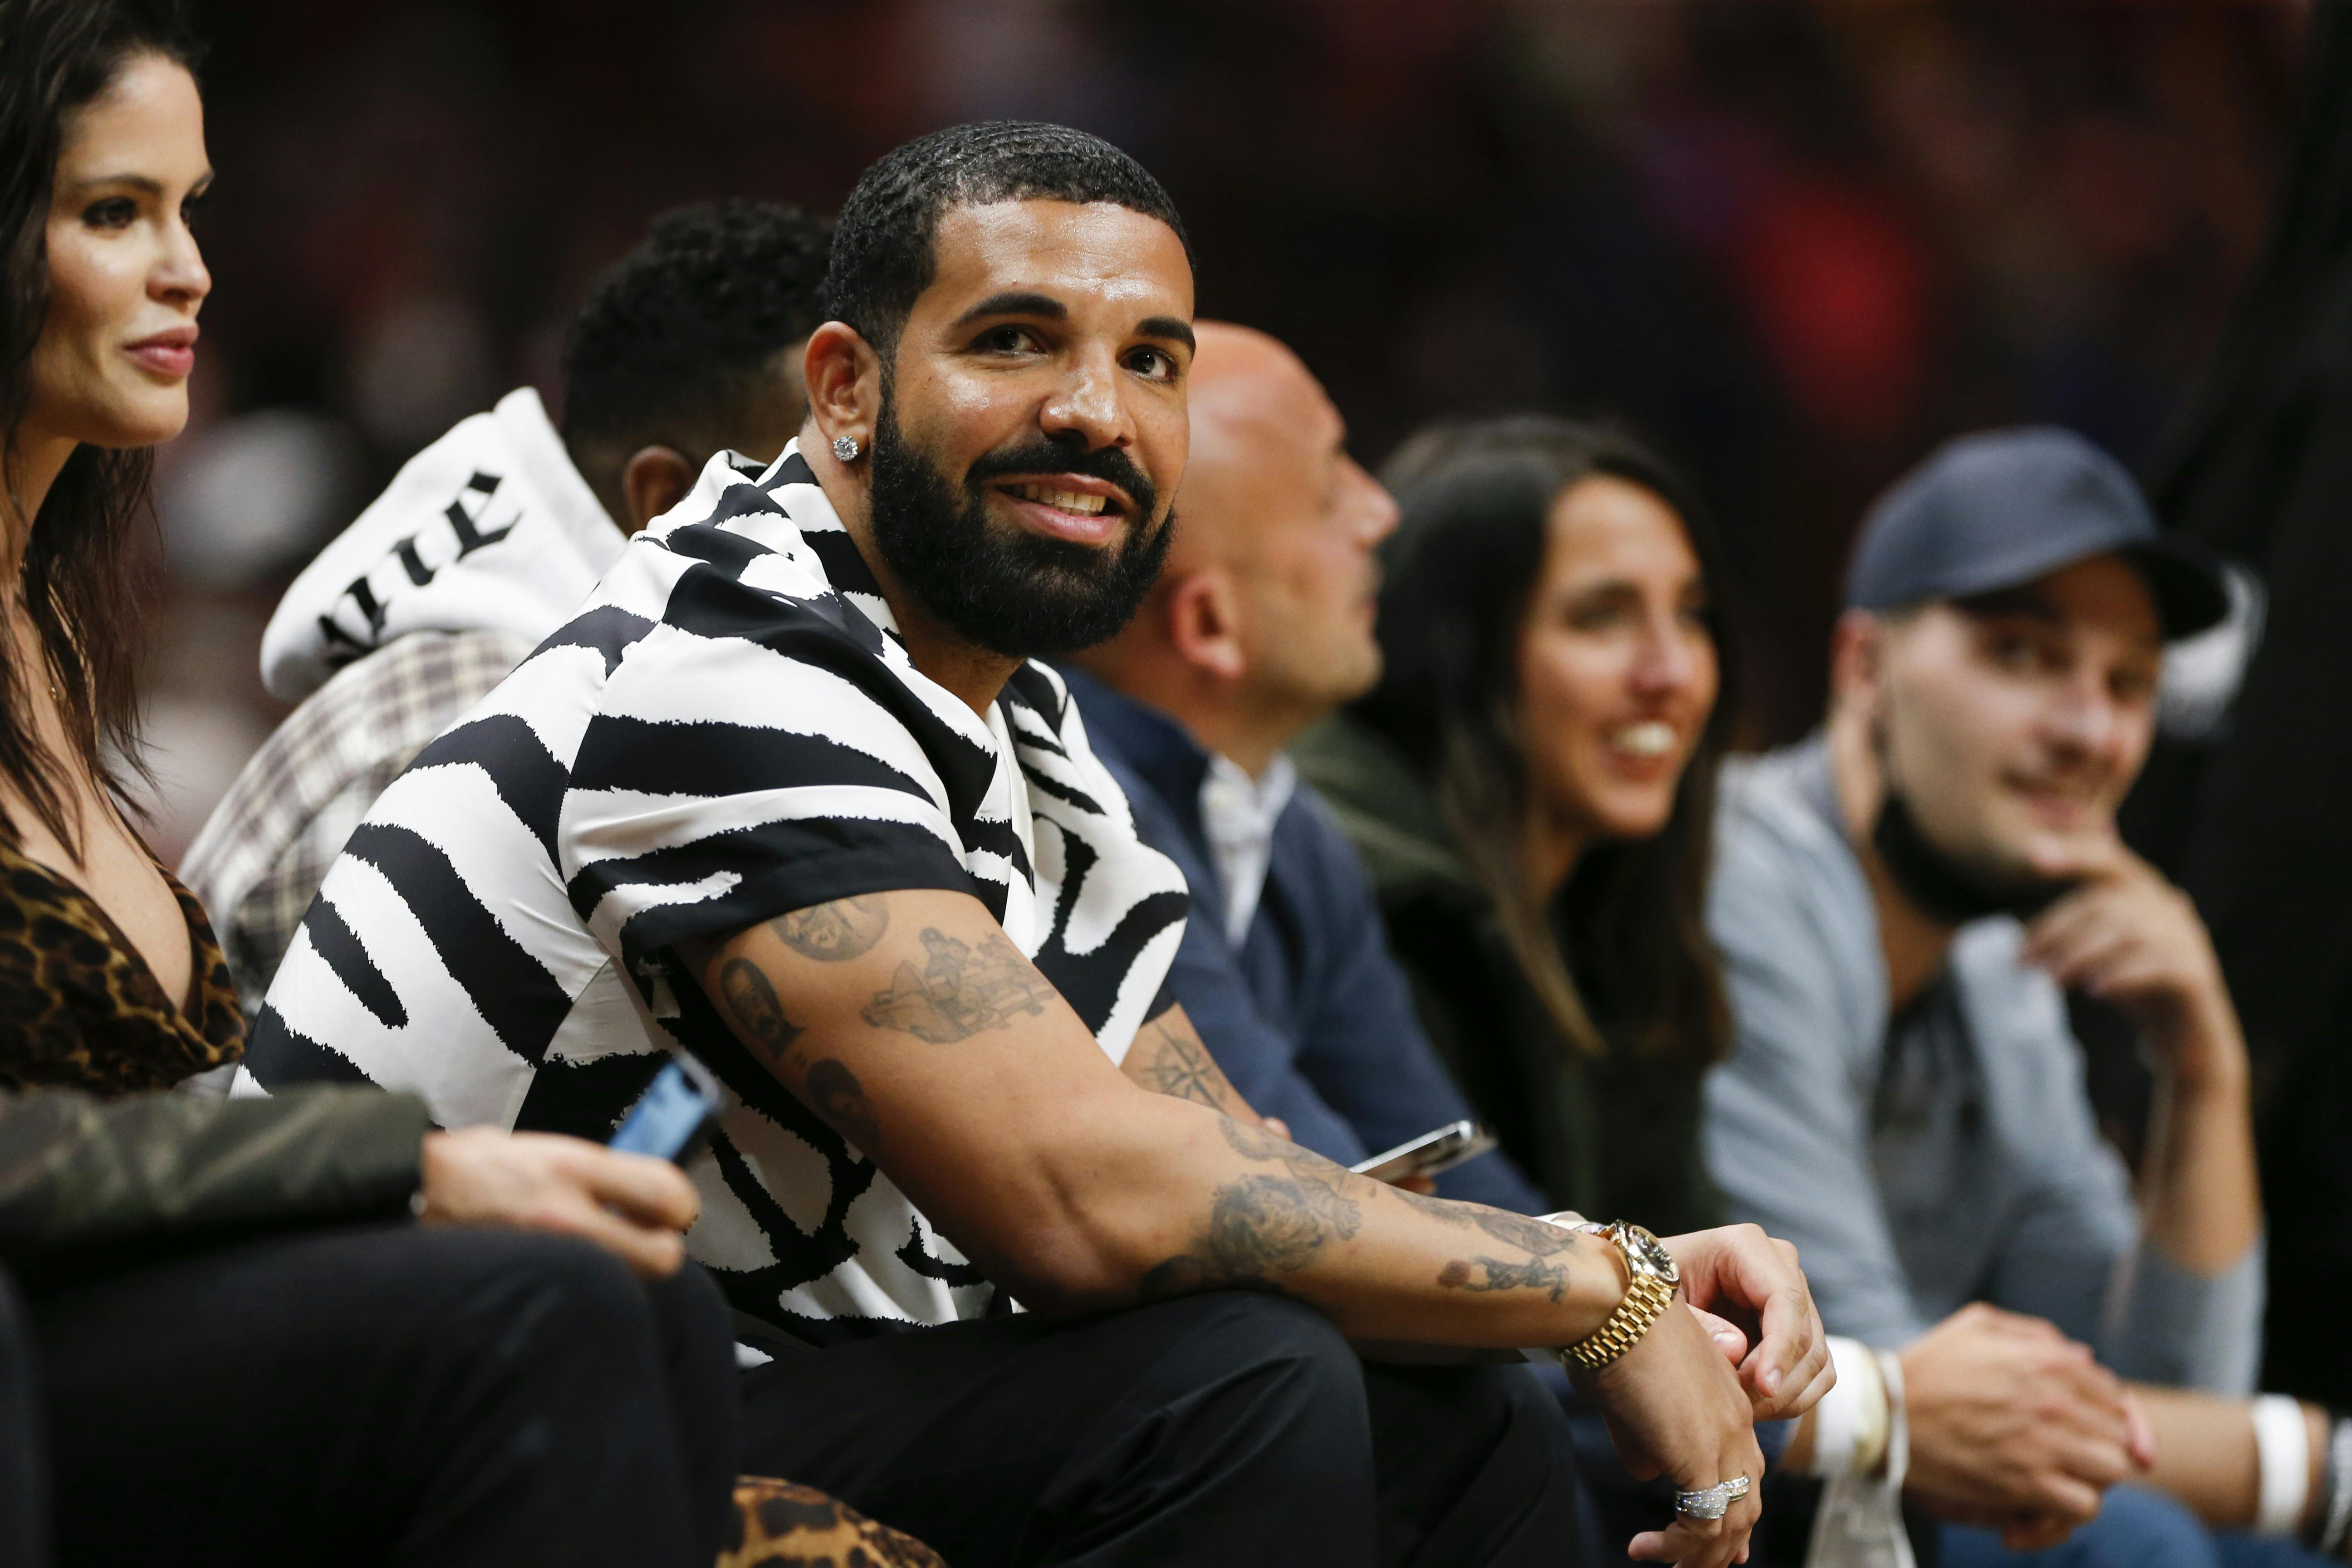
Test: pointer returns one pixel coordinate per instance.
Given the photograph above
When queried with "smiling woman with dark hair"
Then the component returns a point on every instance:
(1532, 785)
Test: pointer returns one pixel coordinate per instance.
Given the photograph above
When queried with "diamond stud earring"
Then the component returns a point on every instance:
(845, 447)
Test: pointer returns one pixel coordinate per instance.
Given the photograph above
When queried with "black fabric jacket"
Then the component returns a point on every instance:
(2253, 823)
(87, 1186)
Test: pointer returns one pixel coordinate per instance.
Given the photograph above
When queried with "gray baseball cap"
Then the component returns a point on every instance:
(1999, 508)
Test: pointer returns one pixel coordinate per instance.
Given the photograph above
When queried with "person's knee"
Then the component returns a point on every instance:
(1514, 1398)
(1500, 1423)
(1272, 1339)
(1261, 1364)
(1528, 1414)
(2135, 1529)
(1533, 1442)
(690, 1313)
(576, 1291)
(2141, 1529)
(1254, 1396)
(521, 1305)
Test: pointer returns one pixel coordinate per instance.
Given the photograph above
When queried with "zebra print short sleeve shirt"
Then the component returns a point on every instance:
(728, 731)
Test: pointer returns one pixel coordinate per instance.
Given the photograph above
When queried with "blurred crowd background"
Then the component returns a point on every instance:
(1797, 241)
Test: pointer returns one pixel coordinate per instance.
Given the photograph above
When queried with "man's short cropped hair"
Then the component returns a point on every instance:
(683, 330)
(883, 253)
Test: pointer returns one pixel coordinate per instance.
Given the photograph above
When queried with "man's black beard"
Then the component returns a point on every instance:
(1010, 591)
(1946, 889)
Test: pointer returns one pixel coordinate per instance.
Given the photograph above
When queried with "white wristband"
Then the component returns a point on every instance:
(2282, 1443)
(1898, 1428)
(1845, 1411)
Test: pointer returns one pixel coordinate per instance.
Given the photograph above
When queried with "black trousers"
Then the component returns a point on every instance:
(1227, 1428)
(23, 1482)
(388, 1395)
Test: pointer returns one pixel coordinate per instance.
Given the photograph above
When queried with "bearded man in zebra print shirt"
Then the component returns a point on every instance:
(788, 793)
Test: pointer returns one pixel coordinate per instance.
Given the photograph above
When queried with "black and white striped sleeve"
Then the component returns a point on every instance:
(751, 756)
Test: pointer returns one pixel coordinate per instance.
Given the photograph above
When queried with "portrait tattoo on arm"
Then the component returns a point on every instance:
(834, 1091)
(965, 990)
(759, 1015)
(834, 933)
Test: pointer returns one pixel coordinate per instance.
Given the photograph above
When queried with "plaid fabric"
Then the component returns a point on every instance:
(261, 858)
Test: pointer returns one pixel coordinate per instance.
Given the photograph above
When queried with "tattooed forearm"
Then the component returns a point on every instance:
(1263, 1228)
(1260, 1228)
(834, 1091)
(834, 932)
(1538, 1240)
(1499, 1274)
(1533, 1237)
(1175, 1063)
(759, 1016)
(965, 990)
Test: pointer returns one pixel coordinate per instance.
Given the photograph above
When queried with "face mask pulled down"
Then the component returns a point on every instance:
(1947, 887)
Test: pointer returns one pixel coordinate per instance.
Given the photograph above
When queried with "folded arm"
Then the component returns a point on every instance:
(911, 1023)
(86, 1187)
(81, 1179)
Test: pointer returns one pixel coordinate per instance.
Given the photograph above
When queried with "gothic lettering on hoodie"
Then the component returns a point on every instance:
(464, 526)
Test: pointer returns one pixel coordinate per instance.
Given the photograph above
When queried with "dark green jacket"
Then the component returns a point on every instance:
(1615, 1138)
(87, 1185)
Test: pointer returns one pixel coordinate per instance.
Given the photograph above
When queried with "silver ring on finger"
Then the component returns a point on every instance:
(1712, 1502)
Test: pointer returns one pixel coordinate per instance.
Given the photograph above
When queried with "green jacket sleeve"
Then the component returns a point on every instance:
(83, 1181)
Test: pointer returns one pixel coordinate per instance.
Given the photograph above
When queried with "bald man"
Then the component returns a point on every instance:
(1260, 625)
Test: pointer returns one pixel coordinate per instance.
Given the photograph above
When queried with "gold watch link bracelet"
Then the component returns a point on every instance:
(1651, 1280)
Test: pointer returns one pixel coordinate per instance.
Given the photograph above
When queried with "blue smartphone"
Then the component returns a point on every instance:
(674, 1115)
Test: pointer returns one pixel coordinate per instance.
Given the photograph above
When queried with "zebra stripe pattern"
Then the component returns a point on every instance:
(729, 730)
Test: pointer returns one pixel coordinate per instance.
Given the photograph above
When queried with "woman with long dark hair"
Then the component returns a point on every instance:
(231, 1346)
(110, 977)
(1532, 785)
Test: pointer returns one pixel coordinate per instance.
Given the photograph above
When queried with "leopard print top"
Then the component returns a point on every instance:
(78, 1007)
(781, 1524)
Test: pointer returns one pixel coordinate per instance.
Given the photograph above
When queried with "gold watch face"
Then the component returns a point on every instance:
(1639, 1243)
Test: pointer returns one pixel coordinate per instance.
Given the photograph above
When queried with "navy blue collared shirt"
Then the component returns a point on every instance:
(1310, 1017)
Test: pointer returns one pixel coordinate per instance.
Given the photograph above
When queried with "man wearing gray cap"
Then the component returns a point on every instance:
(1901, 901)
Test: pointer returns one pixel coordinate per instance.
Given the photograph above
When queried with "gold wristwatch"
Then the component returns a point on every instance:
(1651, 1280)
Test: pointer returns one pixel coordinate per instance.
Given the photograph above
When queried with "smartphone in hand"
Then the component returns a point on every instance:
(1440, 1150)
(674, 1115)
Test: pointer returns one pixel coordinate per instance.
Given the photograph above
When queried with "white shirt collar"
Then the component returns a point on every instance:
(1238, 813)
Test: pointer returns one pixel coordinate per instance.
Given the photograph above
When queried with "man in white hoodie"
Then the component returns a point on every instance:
(488, 540)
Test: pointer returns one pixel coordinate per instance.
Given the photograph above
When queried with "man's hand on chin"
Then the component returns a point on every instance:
(2128, 937)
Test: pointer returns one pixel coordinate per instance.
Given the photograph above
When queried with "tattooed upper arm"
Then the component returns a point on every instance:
(834, 933)
(759, 1015)
(966, 989)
